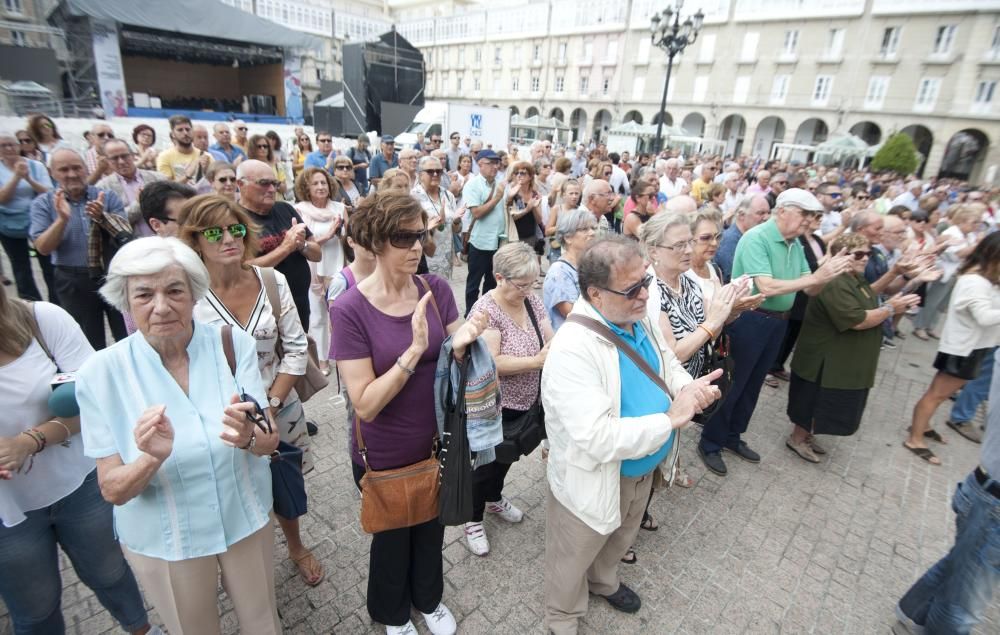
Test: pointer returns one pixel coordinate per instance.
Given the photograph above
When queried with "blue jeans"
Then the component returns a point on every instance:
(30, 585)
(755, 341)
(973, 393)
(953, 595)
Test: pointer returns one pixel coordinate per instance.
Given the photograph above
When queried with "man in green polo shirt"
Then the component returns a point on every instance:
(771, 254)
(484, 195)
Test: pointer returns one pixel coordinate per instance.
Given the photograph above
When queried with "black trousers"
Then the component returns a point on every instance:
(49, 275)
(20, 262)
(405, 568)
(480, 271)
(487, 486)
(78, 295)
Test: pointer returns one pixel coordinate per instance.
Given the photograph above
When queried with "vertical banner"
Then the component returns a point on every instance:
(108, 64)
(293, 86)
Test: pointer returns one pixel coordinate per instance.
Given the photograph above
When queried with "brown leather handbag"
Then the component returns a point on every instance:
(403, 497)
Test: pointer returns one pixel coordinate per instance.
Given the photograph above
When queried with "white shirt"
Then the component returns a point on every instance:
(331, 259)
(619, 180)
(973, 320)
(708, 285)
(831, 221)
(24, 399)
(672, 188)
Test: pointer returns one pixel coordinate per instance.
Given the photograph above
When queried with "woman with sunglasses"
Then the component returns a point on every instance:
(28, 148)
(971, 333)
(706, 230)
(836, 354)
(325, 218)
(182, 445)
(518, 335)
(639, 208)
(145, 139)
(524, 203)
(387, 335)
(347, 192)
(221, 233)
(442, 212)
(222, 177)
(260, 148)
(303, 146)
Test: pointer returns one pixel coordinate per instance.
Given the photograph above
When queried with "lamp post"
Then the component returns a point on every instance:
(672, 38)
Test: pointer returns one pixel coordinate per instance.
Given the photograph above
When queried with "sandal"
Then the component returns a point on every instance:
(310, 570)
(925, 454)
(771, 381)
(649, 523)
(933, 435)
(630, 557)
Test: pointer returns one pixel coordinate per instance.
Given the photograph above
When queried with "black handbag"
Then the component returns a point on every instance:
(717, 356)
(524, 433)
(455, 496)
(288, 485)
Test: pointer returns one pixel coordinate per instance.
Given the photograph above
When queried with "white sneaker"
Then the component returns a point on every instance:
(441, 621)
(476, 537)
(155, 630)
(505, 510)
(405, 629)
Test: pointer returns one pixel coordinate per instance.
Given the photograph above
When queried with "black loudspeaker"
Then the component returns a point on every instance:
(389, 69)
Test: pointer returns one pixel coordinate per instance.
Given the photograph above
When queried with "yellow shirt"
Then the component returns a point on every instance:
(699, 190)
(174, 164)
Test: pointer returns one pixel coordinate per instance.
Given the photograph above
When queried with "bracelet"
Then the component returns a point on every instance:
(408, 371)
(252, 442)
(889, 307)
(38, 437)
(65, 442)
(711, 335)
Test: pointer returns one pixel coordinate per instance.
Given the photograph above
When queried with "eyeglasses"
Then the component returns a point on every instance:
(243, 129)
(521, 173)
(632, 293)
(455, 138)
(115, 158)
(324, 140)
(435, 140)
(607, 174)
(257, 416)
(709, 238)
(226, 179)
(214, 234)
(342, 167)
(779, 182)
(106, 135)
(434, 171)
(406, 239)
(25, 140)
(265, 183)
(679, 246)
(861, 255)
(523, 288)
(833, 194)
(863, 197)
(266, 146)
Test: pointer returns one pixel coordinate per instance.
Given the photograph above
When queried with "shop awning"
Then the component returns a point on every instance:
(204, 18)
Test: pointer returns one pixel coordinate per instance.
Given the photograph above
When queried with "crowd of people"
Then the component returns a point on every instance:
(610, 302)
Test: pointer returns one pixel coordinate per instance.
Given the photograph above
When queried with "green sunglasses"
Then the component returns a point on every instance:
(214, 234)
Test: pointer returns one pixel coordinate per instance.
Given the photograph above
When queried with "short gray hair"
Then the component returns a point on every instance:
(657, 227)
(592, 188)
(146, 256)
(863, 219)
(594, 269)
(572, 221)
(425, 160)
(516, 260)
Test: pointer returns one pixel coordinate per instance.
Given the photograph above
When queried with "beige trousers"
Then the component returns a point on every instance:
(579, 560)
(185, 593)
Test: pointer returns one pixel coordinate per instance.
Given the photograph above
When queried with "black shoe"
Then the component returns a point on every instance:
(744, 452)
(713, 461)
(312, 428)
(624, 599)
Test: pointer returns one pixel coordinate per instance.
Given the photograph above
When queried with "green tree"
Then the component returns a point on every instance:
(897, 154)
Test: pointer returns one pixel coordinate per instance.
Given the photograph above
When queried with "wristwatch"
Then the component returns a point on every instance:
(274, 402)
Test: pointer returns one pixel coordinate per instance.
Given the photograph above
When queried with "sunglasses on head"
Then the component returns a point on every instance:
(406, 239)
(632, 293)
(860, 255)
(214, 234)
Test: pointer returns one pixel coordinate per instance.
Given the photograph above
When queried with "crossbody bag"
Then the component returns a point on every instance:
(522, 435)
(467, 236)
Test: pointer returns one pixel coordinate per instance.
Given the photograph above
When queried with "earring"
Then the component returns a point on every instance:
(656, 263)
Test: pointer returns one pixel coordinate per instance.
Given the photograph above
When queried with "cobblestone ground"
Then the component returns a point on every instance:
(784, 546)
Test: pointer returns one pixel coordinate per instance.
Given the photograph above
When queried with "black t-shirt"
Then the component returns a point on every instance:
(526, 224)
(272, 231)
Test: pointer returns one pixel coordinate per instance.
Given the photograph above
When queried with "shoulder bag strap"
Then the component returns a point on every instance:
(434, 303)
(36, 332)
(534, 322)
(274, 299)
(601, 329)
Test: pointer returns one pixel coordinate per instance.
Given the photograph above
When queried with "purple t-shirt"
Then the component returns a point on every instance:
(403, 432)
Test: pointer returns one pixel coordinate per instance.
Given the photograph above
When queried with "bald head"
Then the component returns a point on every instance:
(681, 205)
(598, 196)
(254, 169)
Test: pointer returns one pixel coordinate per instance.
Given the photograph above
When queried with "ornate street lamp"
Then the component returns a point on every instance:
(672, 38)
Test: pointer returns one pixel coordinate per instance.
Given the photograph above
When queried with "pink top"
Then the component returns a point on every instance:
(517, 392)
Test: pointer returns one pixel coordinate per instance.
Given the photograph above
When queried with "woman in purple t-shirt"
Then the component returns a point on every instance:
(386, 342)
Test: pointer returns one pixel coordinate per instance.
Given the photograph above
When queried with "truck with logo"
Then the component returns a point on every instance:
(478, 123)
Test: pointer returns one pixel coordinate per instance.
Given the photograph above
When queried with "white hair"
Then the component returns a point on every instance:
(660, 165)
(241, 169)
(681, 204)
(593, 188)
(5, 134)
(147, 256)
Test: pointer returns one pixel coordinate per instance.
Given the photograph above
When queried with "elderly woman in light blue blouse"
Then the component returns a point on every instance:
(575, 230)
(181, 447)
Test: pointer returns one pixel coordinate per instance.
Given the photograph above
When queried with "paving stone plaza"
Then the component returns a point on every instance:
(784, 546)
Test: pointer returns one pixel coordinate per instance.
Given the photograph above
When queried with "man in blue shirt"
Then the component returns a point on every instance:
(752, 211)
(61, 225)
(484, 195)
(382, 162)
(324, 155)
(223, 148)
(609, 426)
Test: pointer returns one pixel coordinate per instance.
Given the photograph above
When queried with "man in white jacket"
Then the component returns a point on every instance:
(609, 426)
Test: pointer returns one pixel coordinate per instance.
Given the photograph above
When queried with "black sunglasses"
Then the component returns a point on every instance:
(406, 239)
(256, 417)
(633, 292)
(226, 179)
(858, 255)
(435, 171)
